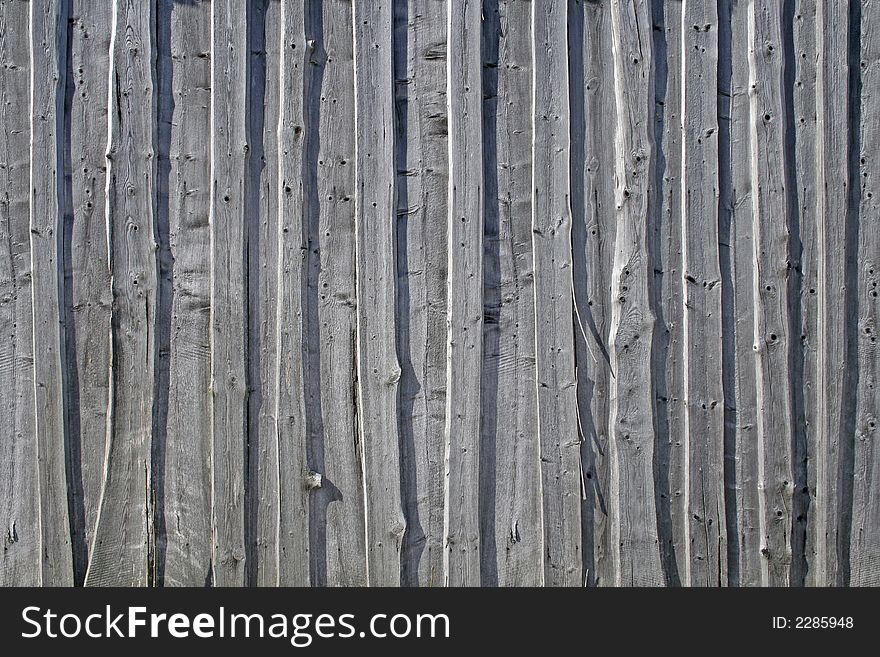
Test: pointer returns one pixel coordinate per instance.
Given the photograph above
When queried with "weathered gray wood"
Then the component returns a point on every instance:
(20, 556)
(461, 564)
(706, 562)
(378, 367)
(338, 506)
(229, 153)
(551, 242)
(294, 481)
(48, 26)
(262, 566)
(123, 531)
(634, 521)
(185, 247)
(422, 178)
(593, 235)
(772, 337)
(88, 296)
(746, 567)
(511, 479)
(670, 377)
(804, 116)
(864, 549)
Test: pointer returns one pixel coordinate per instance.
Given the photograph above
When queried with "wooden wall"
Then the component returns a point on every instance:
(439, 292)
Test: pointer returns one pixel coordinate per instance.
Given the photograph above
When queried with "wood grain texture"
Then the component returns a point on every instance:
(229, 154)
(554, 326)
(20, 558)
(422, 151)
(864, 549)
(184, 421)
(634, 521)
(337, 507)
(772, 336)
(88, 296)
(378, 366)
(48, 67)
(465, 295)
(706, 562)
(833, 203)
(438, 292)
(293, 481)
(511, 547)
(123, 534)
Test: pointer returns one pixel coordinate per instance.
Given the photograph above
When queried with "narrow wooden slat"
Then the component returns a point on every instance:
(634, 520)
(338, 506)
(122, 535)
(551, 228)
(422, 178)
(804, 115)
(20, 558)
(836, 403)
(263, 275)
(511, 468)
(736, 204)
(185, 249)
(772, 338)
(378, 368)
(228, 322)
(593, 235)
(669, 362)
(88, 296)
(48, 26)
(293, 480)
(864, 549)
(465, 310)
(706, 548)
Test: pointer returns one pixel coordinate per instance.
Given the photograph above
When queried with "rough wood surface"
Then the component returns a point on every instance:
(438, 292)
(634, 534)
(48, 68)
(123, 534)
(183, 418)
(465, 295)
(422, 179)
(20, 560)
(88, 297)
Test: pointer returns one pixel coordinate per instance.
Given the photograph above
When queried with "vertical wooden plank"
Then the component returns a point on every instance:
(122, 535)
(836, 394)
(185, 246)
(20, 560)
(772, 339)
(510, 482)
(593, 235)
(805, 56)
(634, 523)
(378, 368)
(293, 481)
(669, 362)
(263, 271)
(228, 322)
(701, 282)
(88, 295)
(465, 310)
(339, 504)
(864, 549)
(48, 24)
(551, 240)
(737, 207)
(422, 179)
